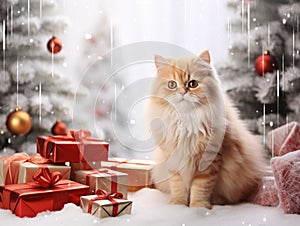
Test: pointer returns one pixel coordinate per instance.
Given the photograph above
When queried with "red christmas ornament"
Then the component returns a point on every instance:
(59, 128)
(54, 45)
(100, 112)
(265, 63)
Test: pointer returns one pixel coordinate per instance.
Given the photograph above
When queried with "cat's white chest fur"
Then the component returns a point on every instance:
(183, 129)
(186, 127)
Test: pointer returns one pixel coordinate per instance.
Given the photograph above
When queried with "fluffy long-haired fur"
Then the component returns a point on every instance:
(205, 155)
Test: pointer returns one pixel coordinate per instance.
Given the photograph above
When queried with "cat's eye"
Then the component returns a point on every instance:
(172, 84)
(192, 84)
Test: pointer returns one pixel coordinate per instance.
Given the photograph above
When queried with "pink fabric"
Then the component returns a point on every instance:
(286, 170)
(292, 141)
(285, 139)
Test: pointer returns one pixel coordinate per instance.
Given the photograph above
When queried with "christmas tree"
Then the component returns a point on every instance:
(31, 74)
(263, 76)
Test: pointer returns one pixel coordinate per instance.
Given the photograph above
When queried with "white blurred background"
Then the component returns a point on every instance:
(191, 24)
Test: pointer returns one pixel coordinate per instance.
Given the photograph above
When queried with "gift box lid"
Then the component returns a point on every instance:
(23, 177)
(101, 172)
(32, 188)
(104, 172)
(133, 161)
(128, 164)
(88, 140)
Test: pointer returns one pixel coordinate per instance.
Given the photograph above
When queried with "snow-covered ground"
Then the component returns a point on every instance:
(150, 208)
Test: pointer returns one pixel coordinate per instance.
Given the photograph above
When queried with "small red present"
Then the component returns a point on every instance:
(286, 170)
(139, 171)
(76, 146)
(20, 167)
(48, 192)
(284, 139)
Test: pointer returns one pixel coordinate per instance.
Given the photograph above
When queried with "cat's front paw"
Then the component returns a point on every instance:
(176, 201)
(201, 204)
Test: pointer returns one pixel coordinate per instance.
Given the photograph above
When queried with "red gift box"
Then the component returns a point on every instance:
(284, 139)
(76, 146)
(286, 170)
(27, 200)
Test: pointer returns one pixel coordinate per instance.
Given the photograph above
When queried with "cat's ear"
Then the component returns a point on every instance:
(205, 56)
(160, 62)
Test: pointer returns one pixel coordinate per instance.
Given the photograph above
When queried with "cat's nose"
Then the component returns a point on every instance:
(182, 93)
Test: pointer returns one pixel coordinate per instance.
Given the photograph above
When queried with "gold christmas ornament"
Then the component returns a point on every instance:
(18, 122)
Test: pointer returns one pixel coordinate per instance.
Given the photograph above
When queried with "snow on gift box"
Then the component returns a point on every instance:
(286, 170)
(20, 168)
(47, 192)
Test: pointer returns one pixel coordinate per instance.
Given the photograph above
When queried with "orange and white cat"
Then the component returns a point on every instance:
(205, 155)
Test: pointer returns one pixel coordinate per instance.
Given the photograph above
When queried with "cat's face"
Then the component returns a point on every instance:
(183, 82)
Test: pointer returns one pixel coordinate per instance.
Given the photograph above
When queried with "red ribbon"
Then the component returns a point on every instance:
(114, 179)
(103, 195)
(46, 179)
(81, 136)
(11, 170)
(87, 178)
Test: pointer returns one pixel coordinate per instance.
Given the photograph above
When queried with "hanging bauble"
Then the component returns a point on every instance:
(59, 128)
(54, 45)
(18, 122)
(100, 112)
(265, 63)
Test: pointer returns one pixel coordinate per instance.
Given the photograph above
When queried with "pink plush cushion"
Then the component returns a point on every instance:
(285, 139)
(266, 194)
(286, 170)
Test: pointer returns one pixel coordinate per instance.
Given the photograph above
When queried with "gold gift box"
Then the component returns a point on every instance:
(83, 166)
(104, 208)
(103, 179)
(24, 171)
(138, 170)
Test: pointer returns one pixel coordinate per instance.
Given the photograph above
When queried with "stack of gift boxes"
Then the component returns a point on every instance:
(281, 184)
(70, 169)
(76, 169)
